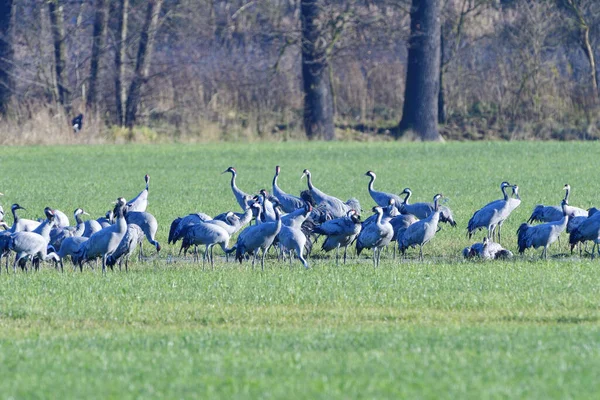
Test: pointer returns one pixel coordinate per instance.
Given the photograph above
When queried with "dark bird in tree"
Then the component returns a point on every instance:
(77, 123)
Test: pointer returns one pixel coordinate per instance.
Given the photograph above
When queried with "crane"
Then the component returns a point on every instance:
(69, 248)
(375, 235)
(176, 231)
(333, 205)
(490, 215)
(133, 237)
(382, 198)
(543, 213)
(107, 220)
(140, 202)
(589, 229)
(340, 232)
(541, 235)
(21, 224)
(287, 202)
(258, 237)
(33, 244)
(292, 238)
(424, 210)
(147, 222)
(104, 242)
(422, 231)
(206, 234)
(242, 198)
(487, 250)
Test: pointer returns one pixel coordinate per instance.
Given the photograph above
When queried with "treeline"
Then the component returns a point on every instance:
(153, 70)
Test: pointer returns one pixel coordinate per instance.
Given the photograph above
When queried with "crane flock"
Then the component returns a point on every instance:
(291, 223)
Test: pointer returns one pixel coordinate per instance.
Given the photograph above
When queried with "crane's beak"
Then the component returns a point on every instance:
(224, 171)
(303, 175)
(85, 213)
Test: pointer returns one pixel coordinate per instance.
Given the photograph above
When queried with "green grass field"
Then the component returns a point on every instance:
(442, 328)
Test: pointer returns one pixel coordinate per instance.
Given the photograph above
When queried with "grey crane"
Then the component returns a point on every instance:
(177, 230)
(69, 248)
(375, 236)
(90, 226)
(487, 250)
(513, 203)
(140, 202)
(242, 198)
(334, 206)
(61, 219)
(33, 244)
(209, 235)
(588, 229)
(133, 237)
(104, 242)
(258, 237)
(400, 223)
(147, 222)
(107, 220)
(424, 210)
(490, 215)
(4, 250)
(288, 202)
(543, 213)
(340, 232)
(382, 198)
(422, 231)
(268, 208)
(293, 238)
(542, 235)
(59, 234)
(21, 224)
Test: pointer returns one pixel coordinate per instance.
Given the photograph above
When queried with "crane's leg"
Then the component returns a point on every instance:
(421, 252)
(374, 257)
(378, 256)
(254, 258)
(345, 253)
(394, 252)
(104, 264)
(337, 255)
(212, 260)
(593, 250)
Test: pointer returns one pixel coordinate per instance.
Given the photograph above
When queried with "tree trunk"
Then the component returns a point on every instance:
(442, 93)
(6, 55)
(120, 54)
(318, 99)
(420, 111)
(142, 64)
(57, 27)
(97, 44)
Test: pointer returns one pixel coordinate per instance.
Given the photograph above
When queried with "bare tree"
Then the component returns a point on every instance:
(577, 9)
(100, 17)
(318, 99)
(6, 55)
(420, 111)
(144, 57)
(120, 54)
(56, 21)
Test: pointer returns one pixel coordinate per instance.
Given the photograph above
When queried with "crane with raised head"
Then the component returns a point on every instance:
(334, 206)
(33, 245)
(292, 238)
(104, 242)
(424, 210)
(288, 202)
(375, 235)
(490, 215)
(140, 202)
(243, 199)
(21, 224)
(382, 198)
(422, 231)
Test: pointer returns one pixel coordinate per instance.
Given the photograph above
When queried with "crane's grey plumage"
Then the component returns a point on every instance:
(542, 235)
(588, 229)
(69, 248)
(486, 250)
(90, 226)
(268, 208)
(61, 219)
(340, 232)
(293, 238)
(147, 222)
(424, 210)
(107, 220)
(375, 235)
(333, 205)
(422, 231)
(140, 202)
(490, 215)
(243, 199)
(257, 237)
(33, 244)
(208, 234)
(4, 250)
(543, 213)
(287, 202)
(21, 224)
(133, 237)
(104, 242)
(382, 198)
(178, 225)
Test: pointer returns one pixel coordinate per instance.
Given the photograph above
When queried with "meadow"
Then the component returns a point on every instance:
(442, 328)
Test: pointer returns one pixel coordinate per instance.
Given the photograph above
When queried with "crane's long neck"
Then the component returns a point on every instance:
(275, 180)
(233, 186)
(15, 215)
(567, 190)
(121, 220)
(45, 229)
(503, 188)
(309, 181)
(78, 219)
(407, 197)
(247, 216)
(371, 183)
(379, 217)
